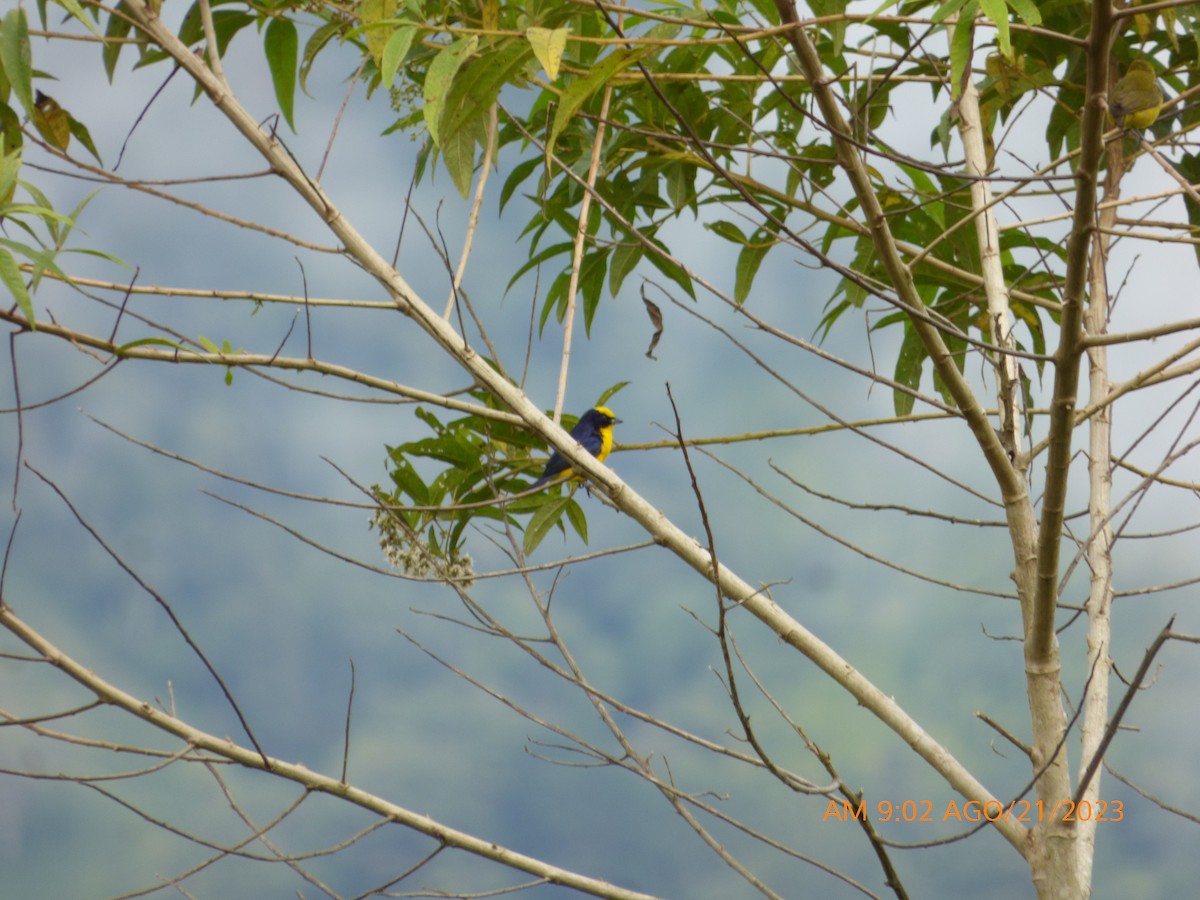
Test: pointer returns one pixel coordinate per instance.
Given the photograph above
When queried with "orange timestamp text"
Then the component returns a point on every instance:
(972, 811)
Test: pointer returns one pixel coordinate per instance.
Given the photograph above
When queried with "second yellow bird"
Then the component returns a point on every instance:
(1136, 99)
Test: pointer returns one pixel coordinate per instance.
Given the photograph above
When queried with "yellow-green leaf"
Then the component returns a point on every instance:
(440, 77)
(466, 107)
(548, 46)
(10, 168)
(371, 13)
(961, 39)
(10, 276)
(1026, 11)
(458, 152)
(16, 58)
(394, 53)
(490, 14)
(73, 7)
(997, 13)
(11, 139)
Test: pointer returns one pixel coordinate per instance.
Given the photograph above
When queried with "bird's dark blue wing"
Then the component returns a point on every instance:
(585, 432)
(591, 442)
(583, 427)
(556, 466)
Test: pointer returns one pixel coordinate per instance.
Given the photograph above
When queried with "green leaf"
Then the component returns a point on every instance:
(16, 57)
(997, 13)
(281, 44)
(933, 205)
(950, 8)
(581, 89)
(38, 256)
(98, 254)
(748, 262)
(519, 173)
(681, 184)
(625, 258)
(672, 270)
(11, 139)
(908, 369)
(115, 33)
(592, 270)
(45, 210)
(960, 46)
(885, 5)
(478, 85)
(1027, 11)
(60, 229)
(551, 251)
(73, 7)
(603, 399)
(1189, 166)
(458, 152)
(316, 43)
(395, 52)
(578, 520)
(406, 478)
(10, 169)
(439, 79)
(727, 230)
(10, 275)
(81, 133)
(556, 299)
(467, 107)
(5, 87)
(151, 342)
(543, 520)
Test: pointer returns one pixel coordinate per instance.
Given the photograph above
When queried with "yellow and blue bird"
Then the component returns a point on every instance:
(1136, 99)
(594, 431)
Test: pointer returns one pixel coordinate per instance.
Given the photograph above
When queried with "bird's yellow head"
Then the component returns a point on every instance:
(604, 416)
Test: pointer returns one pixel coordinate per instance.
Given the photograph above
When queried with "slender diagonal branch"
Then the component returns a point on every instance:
(227, 749)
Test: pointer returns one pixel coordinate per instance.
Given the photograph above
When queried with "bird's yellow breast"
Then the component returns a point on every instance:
(606, 442)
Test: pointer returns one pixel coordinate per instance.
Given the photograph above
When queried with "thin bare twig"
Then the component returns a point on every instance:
(165, 606)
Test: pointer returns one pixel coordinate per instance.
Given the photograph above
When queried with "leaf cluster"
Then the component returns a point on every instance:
(702, 114)
(477, 463)
(932, 212)
(46, 229)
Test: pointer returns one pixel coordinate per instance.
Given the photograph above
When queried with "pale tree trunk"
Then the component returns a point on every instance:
(1100, 536)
